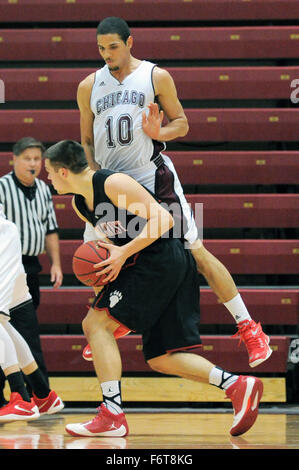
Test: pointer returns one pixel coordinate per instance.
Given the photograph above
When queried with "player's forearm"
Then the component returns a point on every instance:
(90, 154)
(177, 128)
(155, 228)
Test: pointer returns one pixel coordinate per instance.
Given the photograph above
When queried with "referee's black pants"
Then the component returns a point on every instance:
(24, 320)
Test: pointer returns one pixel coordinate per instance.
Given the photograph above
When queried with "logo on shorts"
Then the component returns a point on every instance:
(115, 297)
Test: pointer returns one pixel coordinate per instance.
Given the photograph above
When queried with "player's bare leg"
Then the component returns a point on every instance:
(215, 273)
(110, 421)
(98, 329)
(187, 365)
(245, 392)
(223, 285)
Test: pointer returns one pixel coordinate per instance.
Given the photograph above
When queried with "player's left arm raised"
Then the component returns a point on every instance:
(166, 94)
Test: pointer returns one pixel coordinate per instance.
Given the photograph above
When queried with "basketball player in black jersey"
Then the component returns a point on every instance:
(157, 297)
(120, 133)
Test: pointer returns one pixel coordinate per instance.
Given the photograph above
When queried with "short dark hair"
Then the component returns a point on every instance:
(25, 143)
(67, 154)
(114, 25)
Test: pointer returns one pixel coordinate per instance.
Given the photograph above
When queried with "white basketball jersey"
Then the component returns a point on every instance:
(119, 140)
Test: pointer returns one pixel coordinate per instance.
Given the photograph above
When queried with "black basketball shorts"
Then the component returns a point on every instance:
(157, 297)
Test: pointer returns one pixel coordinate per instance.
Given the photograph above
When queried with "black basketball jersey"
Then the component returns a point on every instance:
(118, 225)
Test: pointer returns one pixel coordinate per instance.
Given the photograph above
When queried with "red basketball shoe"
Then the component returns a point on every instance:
(18, 409)
(256, 342)
(119, 332)
(49, 405)
(245, 395)
(87, 354)
(105, 424)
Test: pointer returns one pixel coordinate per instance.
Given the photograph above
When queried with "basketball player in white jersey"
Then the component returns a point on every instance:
(121, 130)
(15, 354)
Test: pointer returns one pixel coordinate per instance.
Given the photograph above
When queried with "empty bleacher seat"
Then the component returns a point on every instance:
(239, 256)
(221, 350)
(225, 125)
(233, 210)
(206, 125)
(237, 167)
(65, 214)
(42, 84)
(219, 167)
(257, 256)
(247, 210)
(88, 10)
(46, 125)
(192, 83)
(66, 44)
(269, 306)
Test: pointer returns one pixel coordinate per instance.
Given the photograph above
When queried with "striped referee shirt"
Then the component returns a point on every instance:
(31, 209)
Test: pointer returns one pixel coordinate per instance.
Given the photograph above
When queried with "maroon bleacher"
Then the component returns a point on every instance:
(212, 125)
(243, 124)
(257, 256)
(65, 214)
(229, 210)
(47, 125)
(269, 306)
(236, 167)
(247, 210)
(222, 167)
(239, 256)
(192, 83)
(166, 10)
(72, 44)
(63, 353)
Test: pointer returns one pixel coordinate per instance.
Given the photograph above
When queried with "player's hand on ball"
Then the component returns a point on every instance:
(113, 264)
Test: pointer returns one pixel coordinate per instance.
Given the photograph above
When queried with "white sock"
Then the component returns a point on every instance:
(221, 378)
(238, 309)
(112, 396)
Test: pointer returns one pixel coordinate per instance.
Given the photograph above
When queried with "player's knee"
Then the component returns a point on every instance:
(94, 321)
(88, 323)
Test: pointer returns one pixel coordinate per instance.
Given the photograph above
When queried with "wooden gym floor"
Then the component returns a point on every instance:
(158, 430)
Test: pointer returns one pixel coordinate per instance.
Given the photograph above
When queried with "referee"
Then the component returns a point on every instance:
(27, 202)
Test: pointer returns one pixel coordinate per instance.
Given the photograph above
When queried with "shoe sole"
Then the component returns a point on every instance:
(260, 361)
(252, 397)
(13, 417)
(52, 411)
(120, 432)
(87, 358)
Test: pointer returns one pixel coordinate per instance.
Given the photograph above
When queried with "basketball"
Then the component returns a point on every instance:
(84, 258)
